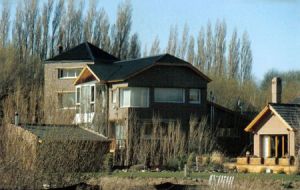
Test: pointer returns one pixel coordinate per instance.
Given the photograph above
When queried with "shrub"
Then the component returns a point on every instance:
(108, 163)
(172, 164)
(262, 170)
(217, 157)
(242, 170)
(191, 160)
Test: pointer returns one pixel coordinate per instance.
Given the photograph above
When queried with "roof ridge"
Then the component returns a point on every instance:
(87, 44)
(141, 58)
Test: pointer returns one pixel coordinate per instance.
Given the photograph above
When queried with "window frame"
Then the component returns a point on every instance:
(61, 71)
(76, 95)
(114, 97)
(131, 106)
(199, 96)
(94, 94)
(167, 101)
(59, 99)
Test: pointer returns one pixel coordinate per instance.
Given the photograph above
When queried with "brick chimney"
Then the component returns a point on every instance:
(276, 90)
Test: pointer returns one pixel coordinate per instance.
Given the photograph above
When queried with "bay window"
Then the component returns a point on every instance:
(134, 97)
(171, 95)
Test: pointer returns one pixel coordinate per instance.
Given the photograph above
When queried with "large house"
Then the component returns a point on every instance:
(100, 92)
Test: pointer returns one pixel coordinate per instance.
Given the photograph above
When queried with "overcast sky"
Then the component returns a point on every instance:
(273, 25)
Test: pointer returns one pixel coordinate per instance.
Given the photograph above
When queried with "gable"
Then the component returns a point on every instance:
(271, 124)
(168, 76)
(86, 75)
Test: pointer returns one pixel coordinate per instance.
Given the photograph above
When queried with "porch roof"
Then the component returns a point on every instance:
(289, 114)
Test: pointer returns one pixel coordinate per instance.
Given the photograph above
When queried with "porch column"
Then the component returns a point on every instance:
(269, 150)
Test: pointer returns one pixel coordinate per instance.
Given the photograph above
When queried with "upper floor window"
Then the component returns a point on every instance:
(195, 96)
(66, 100)
(134, 97)
(68, 73)
(171, 95)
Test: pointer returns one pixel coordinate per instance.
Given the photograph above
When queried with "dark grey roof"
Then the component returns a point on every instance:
(289, 112)
(296, 101)
(84, 52)
(121, 70)
(63, 133)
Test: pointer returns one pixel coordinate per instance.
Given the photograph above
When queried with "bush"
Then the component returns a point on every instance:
(217, 157)
(172, 164)
(191, 160)
(108, 163)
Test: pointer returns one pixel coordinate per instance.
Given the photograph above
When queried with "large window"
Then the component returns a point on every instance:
(66, 100)
(77, 95)
(195, 96)
(173, 95)
(134, 97)
(68, 73)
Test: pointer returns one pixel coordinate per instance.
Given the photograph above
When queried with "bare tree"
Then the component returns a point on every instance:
(184, 42)
(4, 23)
(57, 17)
(101, 31)
(210, 48)
(191, 50)
(155, 47)
(201, 56)
(220, 35)
(135, 47)
(121, 30)
(46, 15)
(173, 41)
(246, 59)
(233, 56)
(89, 21)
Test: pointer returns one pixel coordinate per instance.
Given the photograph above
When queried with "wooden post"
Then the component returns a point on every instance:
(276, 146)
(282, 145)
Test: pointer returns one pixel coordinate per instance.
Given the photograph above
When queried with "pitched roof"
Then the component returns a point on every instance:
(122, 70)
(84, 52)
(63, 133)
(288, 113)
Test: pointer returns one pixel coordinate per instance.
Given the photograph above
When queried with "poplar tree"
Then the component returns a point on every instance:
(4, 23)
(201, 55)
(233, 56)
(121, 30)
(155, 47)
(191, 50)
(135, 47)
(246, 59)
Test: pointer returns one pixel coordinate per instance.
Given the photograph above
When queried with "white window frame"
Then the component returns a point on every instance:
(67, 77)
(199, 93)
(180, 102)
(130, 106)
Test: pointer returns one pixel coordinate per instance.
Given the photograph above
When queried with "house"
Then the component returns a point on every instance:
(59, 75)
(275, 131)
(110, 96)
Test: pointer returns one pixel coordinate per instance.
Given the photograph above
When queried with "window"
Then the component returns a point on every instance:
(134, 97)
(195, 96)
(93, 94)
(66, 100)
(77, 95)
(68, 73)
(172, 95)
(114, 96)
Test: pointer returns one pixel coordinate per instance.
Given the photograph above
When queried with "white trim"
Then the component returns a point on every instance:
(77, 87)
(93, 85)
